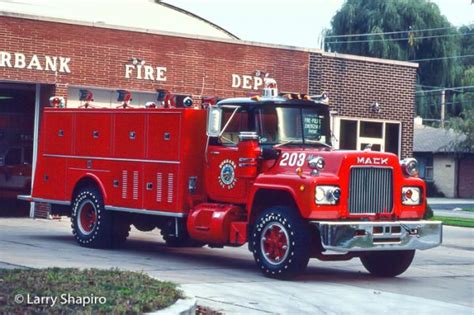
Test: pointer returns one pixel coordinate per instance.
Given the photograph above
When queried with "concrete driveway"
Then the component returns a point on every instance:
(440, 281)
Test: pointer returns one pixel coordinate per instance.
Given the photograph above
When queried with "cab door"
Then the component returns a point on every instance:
(225, 180)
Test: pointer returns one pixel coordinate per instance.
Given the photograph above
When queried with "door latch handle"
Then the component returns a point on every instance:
(215, 152)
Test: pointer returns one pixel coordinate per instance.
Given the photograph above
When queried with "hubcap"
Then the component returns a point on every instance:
(275, 243)
(87, 217)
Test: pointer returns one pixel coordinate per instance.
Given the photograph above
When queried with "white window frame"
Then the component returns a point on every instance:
(360, 140)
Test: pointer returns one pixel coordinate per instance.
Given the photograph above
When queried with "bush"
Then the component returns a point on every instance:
(428, 212)
(432, 190)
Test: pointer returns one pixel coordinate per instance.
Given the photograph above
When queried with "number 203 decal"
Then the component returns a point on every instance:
(293, 159)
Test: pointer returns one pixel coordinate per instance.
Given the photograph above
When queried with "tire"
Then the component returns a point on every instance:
(387, 263)
(93, 226)
(281, 242)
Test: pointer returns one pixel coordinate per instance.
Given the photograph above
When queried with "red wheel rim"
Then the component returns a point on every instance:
(87, 217)
(275, 243)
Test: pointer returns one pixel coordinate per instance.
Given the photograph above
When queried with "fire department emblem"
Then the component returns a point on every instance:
(227, 176)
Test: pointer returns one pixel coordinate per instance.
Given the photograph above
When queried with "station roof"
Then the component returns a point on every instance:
(142, 14)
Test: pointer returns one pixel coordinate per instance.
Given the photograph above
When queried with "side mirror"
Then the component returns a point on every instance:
(214, 120)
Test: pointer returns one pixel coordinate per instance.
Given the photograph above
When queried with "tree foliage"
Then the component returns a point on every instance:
(416, 30)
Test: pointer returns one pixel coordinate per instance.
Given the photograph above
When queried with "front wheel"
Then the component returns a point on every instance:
(387, 263)
(281, 242)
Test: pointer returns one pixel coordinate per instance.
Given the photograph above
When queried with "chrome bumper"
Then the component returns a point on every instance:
(352, 236)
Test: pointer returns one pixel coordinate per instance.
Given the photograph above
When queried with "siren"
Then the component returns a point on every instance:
(57, 102)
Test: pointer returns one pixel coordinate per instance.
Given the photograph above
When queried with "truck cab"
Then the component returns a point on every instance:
(272, 155)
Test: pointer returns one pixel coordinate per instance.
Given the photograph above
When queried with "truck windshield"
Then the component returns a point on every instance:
(292, 125)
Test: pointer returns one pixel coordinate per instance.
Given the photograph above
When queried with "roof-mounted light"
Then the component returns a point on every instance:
(57, 102)
(271, 89)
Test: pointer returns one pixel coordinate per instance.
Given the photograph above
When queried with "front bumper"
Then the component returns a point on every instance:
(353, 236)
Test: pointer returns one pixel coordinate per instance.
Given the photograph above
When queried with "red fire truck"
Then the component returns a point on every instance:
(257, 170)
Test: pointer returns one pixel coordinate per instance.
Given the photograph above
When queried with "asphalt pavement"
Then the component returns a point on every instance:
(440, 281)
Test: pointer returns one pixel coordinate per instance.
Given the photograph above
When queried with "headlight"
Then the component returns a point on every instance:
(327, 195)
(411, 196)
(410, 167)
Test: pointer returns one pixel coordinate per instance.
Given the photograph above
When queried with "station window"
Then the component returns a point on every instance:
(358, 134)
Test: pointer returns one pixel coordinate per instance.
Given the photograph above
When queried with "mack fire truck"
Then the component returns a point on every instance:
(258, 170)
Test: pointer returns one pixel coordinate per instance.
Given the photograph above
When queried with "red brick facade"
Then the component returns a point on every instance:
(199, 66)
(354, 84)
(99, 55)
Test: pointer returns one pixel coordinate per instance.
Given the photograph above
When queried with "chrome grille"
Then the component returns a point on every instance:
(370, 190)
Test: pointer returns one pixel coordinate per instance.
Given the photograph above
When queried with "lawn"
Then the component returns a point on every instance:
(65, 291)
(463, 222)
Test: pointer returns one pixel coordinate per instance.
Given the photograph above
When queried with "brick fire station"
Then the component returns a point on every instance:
(44, 54)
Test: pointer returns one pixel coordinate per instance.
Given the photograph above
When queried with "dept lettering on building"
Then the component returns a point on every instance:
(34, 62)
(250, 82)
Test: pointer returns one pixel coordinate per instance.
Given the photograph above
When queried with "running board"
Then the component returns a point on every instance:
(51, 201)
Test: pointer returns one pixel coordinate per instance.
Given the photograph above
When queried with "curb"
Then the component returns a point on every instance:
(185, 306)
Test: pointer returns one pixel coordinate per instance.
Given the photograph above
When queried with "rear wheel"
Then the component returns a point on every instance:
(387, 263)
(93, 226)
(281, 242)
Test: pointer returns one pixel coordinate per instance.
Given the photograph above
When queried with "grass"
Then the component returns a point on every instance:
(463, 222)
(468, 209)
(82, 291)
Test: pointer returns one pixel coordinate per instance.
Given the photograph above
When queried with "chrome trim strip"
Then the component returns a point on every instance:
(357, 236)
(52, 201)
(24, 197)
(145, 211)
(110, 159)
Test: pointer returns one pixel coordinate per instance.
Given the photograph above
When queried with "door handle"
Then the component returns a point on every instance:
(215, 152)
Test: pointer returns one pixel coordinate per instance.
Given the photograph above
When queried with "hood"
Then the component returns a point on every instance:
(290, 159)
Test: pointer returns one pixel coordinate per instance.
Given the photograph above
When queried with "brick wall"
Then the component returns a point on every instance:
(98, 58)
(205, 67)
(353, 85)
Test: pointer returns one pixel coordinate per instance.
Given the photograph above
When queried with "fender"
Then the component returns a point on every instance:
(257, 187)
(300, 189)
(96, 180)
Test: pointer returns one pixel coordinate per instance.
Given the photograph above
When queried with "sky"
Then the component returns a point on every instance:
(293, 23)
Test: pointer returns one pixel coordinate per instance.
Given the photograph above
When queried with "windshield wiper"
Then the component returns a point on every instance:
(285, 143)
(317, 142)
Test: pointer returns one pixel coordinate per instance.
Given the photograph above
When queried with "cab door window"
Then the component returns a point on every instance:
(238, 123)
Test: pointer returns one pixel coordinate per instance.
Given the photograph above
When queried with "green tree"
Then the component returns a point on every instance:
(464, 124)
(467, 44)
(413, 29)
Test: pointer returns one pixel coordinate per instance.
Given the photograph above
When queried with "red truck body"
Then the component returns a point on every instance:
(267, 177)
(125, 146)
